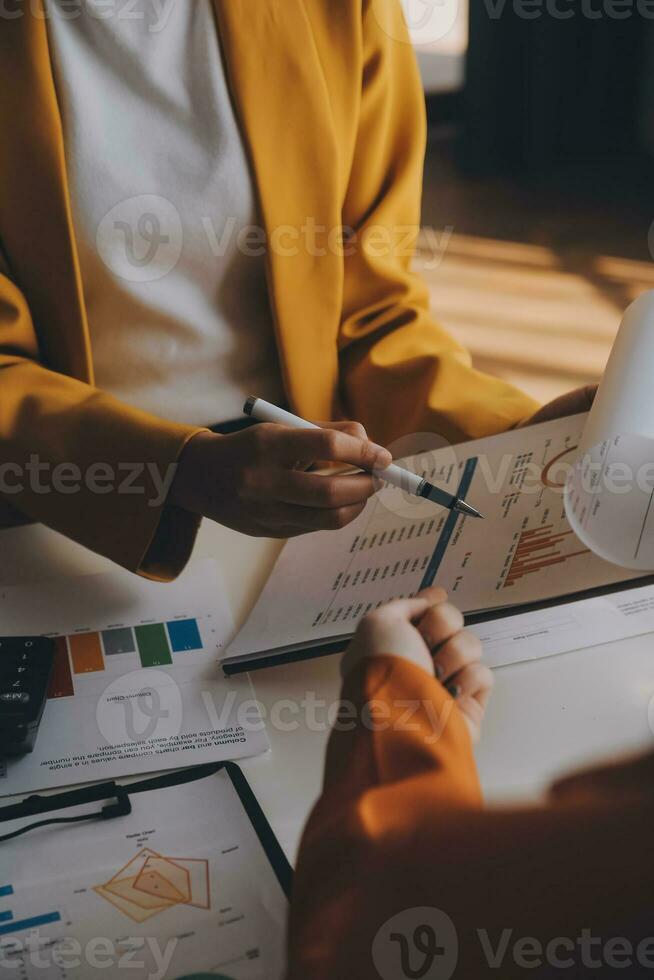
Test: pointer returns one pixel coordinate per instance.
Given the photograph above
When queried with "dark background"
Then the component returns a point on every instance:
(542, 163)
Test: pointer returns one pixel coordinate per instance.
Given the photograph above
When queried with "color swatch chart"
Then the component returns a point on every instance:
(137, 675)
(85, 653)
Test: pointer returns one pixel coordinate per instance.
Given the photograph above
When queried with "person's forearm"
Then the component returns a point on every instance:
(399, 731)
(92, 468)
(399, 830)
(403, 722)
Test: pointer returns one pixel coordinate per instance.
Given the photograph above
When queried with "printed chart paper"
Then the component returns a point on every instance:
(566, 627)
(179, 886)
(523, 551)
(137, 684)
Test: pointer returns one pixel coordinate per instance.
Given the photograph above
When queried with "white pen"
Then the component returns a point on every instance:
(264, 411)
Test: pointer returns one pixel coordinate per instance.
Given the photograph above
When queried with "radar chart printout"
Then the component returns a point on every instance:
(523, 551)
(137, 684)
(180, 886)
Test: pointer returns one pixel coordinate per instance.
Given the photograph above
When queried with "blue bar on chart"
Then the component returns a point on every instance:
(184, 635)
(6, 890)
(6, 916)
(38, 920)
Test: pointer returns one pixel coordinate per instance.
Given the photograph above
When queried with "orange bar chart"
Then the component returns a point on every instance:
(538, 549)
(86, 653)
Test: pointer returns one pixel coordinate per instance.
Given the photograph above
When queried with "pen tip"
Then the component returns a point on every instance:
(466, 508)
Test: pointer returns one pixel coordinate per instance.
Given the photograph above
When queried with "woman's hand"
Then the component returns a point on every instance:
(256, 482)
(572, 403)
(429, 631)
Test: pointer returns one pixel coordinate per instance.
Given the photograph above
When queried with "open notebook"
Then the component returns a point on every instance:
(523, 555)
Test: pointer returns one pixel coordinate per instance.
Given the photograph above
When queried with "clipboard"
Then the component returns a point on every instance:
(203, 872)
(40, 805)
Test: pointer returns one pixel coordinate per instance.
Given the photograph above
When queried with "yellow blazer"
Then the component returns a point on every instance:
(332, 113)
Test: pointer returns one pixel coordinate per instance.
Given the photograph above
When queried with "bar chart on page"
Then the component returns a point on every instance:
(522, 552)
(13, 924)
(523, 547)
(137, 682)
(540, 548)
(154, 644)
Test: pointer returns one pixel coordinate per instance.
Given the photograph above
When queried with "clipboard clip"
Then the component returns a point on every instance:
(121, 807)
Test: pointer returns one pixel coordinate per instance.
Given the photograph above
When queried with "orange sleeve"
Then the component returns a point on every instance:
(75, 433)
(400, 829)
(399, 737)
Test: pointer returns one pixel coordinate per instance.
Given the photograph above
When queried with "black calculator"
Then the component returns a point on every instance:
(26, 664)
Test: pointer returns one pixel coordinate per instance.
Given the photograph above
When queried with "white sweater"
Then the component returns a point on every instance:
(162, 198)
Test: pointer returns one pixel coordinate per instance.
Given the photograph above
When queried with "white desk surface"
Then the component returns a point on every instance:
(546, 717)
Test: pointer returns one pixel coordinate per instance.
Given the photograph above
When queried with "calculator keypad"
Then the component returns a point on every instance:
(25, 669)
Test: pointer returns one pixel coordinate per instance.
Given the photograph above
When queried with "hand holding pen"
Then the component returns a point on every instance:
(256, 480)
(393, 474)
